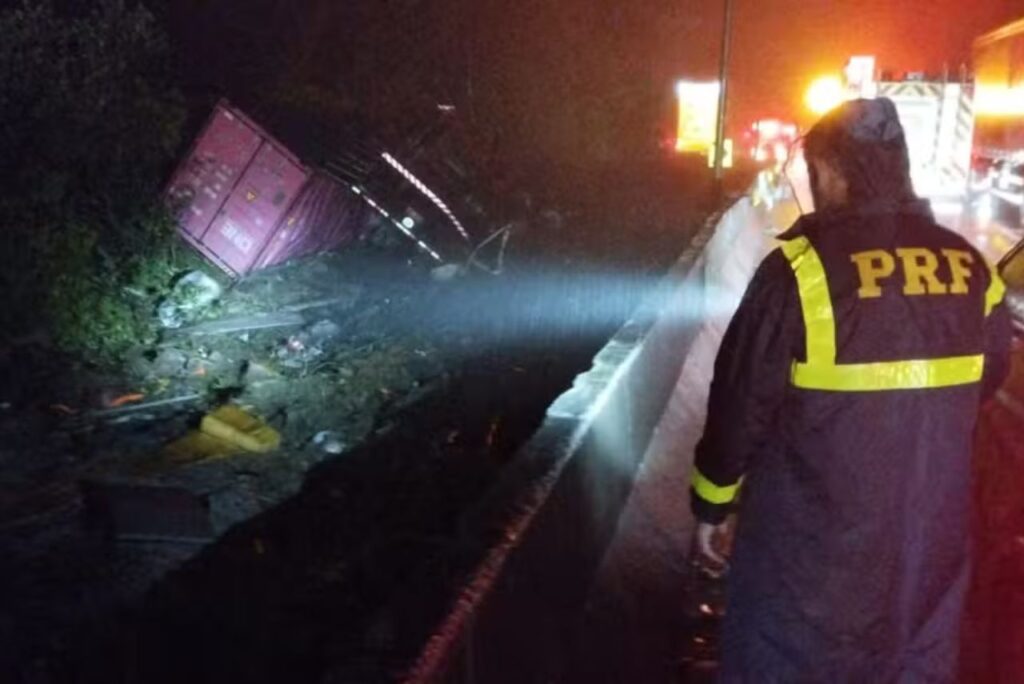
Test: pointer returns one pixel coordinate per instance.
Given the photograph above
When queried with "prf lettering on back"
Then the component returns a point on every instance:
(919, 268)
(872, 266)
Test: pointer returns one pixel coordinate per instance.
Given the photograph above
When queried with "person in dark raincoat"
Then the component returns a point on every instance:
(839, 424)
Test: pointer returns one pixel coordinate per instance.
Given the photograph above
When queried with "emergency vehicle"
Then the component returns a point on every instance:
(938, 118)
(769, 140)
(998, 161)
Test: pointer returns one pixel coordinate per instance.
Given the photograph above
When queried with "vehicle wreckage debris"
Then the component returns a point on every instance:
(355, 366)
(141, 407)
(141, 513)
(329, 441)
(192, 293)
(285, 319)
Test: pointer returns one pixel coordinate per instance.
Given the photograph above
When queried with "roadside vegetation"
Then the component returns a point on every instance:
(89, 123)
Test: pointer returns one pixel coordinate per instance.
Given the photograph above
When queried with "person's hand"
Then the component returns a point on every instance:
(713, 542)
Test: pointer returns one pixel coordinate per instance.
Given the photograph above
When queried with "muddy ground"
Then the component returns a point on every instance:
(398, 397)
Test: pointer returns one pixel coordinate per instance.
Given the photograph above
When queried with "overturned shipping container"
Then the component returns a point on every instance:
(246, 202)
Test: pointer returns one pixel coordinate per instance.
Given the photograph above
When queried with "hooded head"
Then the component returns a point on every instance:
(857, 155)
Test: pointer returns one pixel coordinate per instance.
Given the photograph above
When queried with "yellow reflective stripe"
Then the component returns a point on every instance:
(814, 299)
(710, 492)
(890, 375)
(996, 290)
(821, 372)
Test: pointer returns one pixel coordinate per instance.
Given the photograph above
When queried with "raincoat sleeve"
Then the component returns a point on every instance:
(998, 334)
(751, 378)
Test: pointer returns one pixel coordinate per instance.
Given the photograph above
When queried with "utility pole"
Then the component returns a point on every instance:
(723, 83)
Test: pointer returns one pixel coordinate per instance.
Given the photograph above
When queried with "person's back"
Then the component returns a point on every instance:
(846, 390)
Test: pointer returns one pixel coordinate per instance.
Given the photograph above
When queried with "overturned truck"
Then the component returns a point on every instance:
(246, 201)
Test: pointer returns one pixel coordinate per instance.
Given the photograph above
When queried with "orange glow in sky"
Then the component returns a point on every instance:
(780, 45)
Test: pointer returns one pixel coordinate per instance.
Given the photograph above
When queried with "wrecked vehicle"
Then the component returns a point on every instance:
(246, 201)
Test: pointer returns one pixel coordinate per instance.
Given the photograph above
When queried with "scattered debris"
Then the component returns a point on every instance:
(192, 294)
(329, 441)
(286, 319)
(258, 372)
(323, 331)
(495, 243)
(143, 513)
(345, 300)
(227, 431)
(446, 273)
(294, 352)
(235, 426)
(144, 406)
(307, 345)
(195, 447)
(125, 399)
(169, 361)
(366, 338)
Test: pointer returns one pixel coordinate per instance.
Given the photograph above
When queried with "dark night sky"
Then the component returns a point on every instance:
(569, 77)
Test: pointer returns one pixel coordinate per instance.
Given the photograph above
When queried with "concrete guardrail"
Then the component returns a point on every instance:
(559, 522)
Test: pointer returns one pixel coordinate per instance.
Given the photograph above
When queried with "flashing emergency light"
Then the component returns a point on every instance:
(773, 138)
(998, 100)
(825, 94)
(771, 128)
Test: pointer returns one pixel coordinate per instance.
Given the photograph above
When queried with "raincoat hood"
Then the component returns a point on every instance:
(865, 141)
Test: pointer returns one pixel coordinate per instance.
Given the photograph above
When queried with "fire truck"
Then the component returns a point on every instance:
(998, 160)
(937, 117)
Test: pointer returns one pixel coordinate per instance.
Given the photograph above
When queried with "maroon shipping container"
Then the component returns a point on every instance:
(245, 203)
(233, 189)
(324, 216)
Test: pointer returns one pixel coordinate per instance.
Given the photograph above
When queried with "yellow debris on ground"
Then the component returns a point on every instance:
(224, 432)
(235, 426)
(197, 446)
